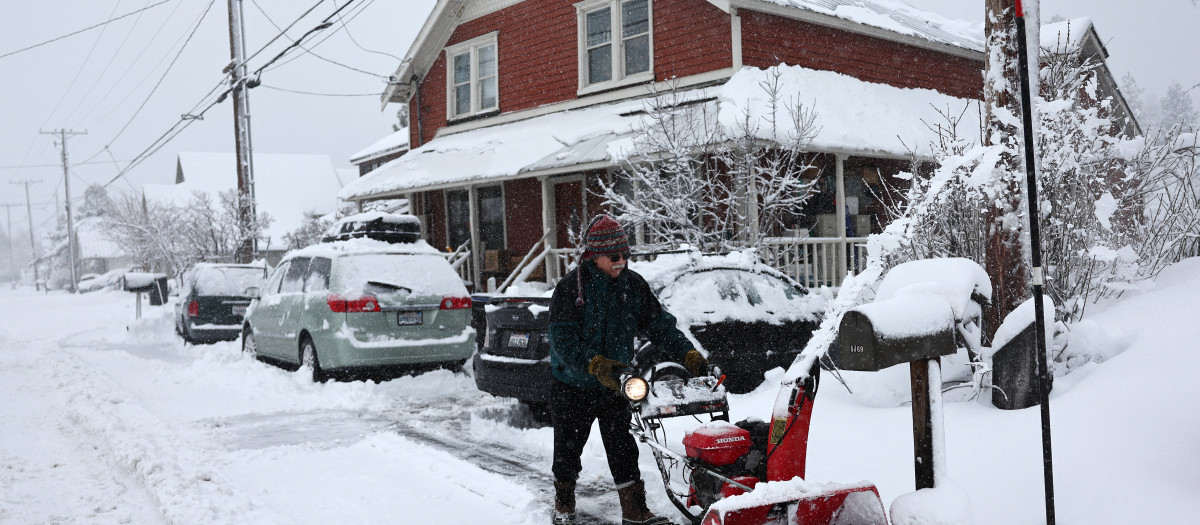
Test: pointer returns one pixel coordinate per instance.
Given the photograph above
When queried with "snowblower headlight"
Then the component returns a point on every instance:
(635, 389)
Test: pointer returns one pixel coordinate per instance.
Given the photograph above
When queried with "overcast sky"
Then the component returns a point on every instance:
(96, 81)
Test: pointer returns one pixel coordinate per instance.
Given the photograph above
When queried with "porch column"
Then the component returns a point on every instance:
(476, 245)
(840, 219)
(548, 222)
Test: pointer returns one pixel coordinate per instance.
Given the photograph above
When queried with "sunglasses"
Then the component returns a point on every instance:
(616, 257)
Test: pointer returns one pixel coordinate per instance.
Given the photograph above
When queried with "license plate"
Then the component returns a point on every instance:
(239, 310)
(410, 318)
(518, 340)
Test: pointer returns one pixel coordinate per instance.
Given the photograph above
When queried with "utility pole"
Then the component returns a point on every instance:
(32, 244)
(12, 265)
(62, 141)
(241, 131)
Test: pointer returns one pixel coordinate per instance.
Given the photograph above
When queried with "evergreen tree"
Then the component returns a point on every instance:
(1177, 108)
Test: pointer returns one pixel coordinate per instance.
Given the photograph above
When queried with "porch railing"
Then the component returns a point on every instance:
(812, 261)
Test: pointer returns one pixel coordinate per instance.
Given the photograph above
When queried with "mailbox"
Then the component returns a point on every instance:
(899, 330)
(154, 284)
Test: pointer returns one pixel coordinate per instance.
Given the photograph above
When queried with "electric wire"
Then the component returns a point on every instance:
(189, 118)
(346, 28)
(71, 85)
(109, 64)
(89, 28)
(319, 94)
(309, 51)
(199, 22)
(296, 43)
(124, 74)
(354, 14)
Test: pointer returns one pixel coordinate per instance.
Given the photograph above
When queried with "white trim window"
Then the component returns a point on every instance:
(472, 85)
(616, 43)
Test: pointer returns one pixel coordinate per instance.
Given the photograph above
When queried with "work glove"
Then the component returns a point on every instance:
(605, 370)
(696, 364)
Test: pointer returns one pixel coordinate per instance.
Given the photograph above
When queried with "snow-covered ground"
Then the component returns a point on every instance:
(108, 419)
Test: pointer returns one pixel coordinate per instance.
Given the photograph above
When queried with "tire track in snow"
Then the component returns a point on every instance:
(171, 467)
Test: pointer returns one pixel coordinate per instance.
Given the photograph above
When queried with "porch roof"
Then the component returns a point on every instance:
(852, 116)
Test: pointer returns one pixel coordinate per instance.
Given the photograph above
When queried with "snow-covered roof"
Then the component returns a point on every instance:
(888, 19)
(394, 143)
(890, 15)
(93, 242)
(285, 186)
(1072, 35)
(853, 116)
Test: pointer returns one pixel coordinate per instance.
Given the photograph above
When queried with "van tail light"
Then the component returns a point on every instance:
(340, 304)
(456, 303)
(194, 309)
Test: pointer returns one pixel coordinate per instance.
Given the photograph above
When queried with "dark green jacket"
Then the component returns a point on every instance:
(613, 312)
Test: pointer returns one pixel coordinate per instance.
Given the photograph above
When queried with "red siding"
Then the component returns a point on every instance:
(863, 57)
(523, 208)
(537, 49)
(690, 37)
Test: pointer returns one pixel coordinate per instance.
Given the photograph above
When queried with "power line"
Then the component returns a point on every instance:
(320, 94)
(106, 22)
(83, 65)
(310, 51)
(31, 166)
(108, 64)
(357, 11)
(199, 21)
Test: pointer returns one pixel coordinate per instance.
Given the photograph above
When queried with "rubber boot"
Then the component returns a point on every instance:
(564, 503)
(633, 506)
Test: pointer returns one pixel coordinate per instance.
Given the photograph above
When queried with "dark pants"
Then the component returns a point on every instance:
(573, 410)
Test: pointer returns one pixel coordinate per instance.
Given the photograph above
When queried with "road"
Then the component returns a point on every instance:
(111, 419)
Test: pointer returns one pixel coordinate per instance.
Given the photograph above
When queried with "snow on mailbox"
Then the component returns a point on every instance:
(899, 330)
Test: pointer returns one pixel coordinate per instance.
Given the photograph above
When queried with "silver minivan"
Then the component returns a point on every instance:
(360, 304)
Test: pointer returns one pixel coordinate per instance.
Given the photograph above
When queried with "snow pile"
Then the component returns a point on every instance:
(947, 504)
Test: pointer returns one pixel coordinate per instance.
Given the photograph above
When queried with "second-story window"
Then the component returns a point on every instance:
(472, 73)
(615, 44)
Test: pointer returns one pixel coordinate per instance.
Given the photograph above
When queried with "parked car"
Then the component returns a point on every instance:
(360, 304)
(213, 299)
(514, 359)
(748, 318)
(91, 282)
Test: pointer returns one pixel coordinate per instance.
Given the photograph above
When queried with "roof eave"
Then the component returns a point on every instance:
(805, 15)
(423, 52)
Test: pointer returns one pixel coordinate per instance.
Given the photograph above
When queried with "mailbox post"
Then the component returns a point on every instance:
(913, 329)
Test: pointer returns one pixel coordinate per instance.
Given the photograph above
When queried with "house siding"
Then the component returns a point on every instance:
(523, 207)
(690, 37)
(864, 57)
(537, 53)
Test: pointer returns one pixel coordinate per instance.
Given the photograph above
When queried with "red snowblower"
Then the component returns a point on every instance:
(745, 473)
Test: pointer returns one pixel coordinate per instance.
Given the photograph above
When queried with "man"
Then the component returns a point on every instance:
(595, 312)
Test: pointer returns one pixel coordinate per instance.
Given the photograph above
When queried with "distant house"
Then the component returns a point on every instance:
(95, 251)
(286, 187)
(518, 108)
(1079, 35)
(381, 152)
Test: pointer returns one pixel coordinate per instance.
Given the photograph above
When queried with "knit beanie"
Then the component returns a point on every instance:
(605, 237)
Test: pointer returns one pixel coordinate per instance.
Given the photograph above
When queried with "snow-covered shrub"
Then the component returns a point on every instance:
(694, 180)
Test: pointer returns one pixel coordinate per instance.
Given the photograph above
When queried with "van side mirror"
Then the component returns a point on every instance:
(252, 292)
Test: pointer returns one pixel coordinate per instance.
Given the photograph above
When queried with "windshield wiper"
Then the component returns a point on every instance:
(382, 284)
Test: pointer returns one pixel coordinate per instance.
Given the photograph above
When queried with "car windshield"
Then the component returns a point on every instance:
(420, 274)
(228, 281)
(727, 294)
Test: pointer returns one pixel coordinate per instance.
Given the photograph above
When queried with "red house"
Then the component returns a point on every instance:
(517, 108)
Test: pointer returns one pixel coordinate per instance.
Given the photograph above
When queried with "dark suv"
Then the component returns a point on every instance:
(514, 359)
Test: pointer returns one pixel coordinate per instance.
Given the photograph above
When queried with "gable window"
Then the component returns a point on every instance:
(615, 44)
(471, 77)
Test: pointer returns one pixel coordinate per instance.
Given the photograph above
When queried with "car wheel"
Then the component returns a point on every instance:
(309, 361)
(249, 349)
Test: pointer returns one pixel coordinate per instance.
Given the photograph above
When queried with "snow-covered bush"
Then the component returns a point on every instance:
(693, 180)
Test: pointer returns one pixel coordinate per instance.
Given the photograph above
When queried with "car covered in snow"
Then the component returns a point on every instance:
(746, 316)
(358, 305)
(91, 282)
(213, 299)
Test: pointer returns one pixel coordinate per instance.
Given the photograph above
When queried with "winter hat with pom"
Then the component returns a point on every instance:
(605, 237)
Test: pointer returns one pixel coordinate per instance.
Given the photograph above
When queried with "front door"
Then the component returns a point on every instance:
(568, 211)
